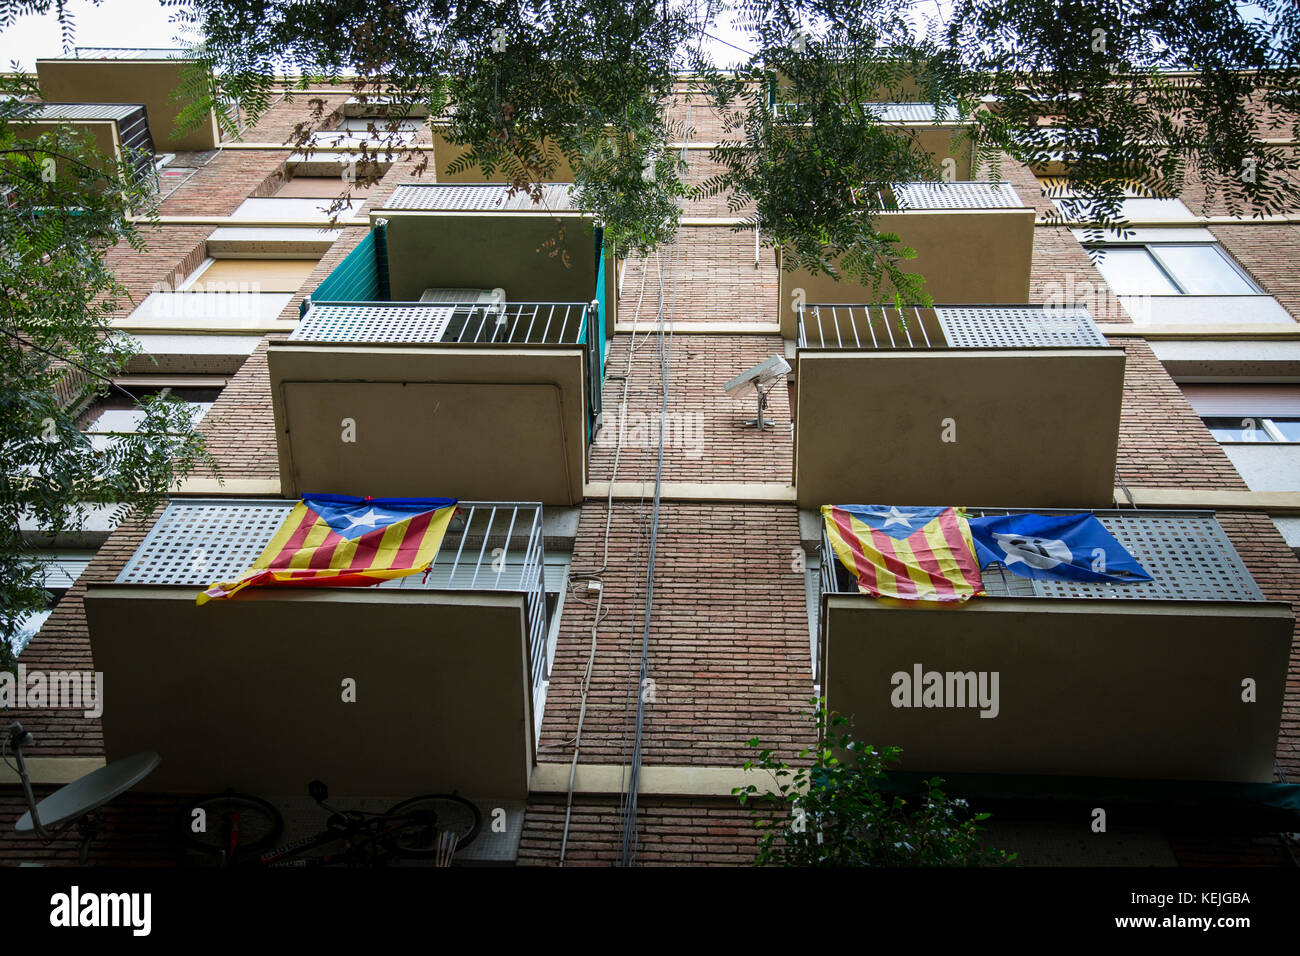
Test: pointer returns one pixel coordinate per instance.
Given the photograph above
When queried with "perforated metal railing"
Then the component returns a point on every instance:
(944, 195)
(883, 112)
(1187, 554)
(489, 546)
(427, 323)
(476, 197)
(874, 327)
(132, 53)
(515, 324)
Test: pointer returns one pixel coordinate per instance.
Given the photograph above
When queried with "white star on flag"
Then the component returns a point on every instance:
(892, 516)
(367, 520)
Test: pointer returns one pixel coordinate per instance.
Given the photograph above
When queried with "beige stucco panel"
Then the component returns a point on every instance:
(127, 81)
(248, 693)
(1033, 428)
(967, 256)
(446, 152)
(490, 250)
(485, 424)
(1086, 687)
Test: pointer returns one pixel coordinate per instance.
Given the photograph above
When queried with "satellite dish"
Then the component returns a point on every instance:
(90, 792)
(768, 371)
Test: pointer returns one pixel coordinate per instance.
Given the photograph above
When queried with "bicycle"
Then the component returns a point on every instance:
(239, 829)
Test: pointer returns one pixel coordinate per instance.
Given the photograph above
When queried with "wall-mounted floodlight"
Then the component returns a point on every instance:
(768, 372)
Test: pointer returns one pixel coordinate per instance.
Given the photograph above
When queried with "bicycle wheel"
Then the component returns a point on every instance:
(235, 825)
(425, 818)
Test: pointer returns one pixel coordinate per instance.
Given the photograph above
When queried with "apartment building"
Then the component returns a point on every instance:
(636, 582)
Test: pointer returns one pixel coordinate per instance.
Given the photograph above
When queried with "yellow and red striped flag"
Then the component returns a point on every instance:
(341, 541)
(912, 554)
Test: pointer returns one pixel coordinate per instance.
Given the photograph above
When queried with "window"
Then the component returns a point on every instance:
(320, 187)
(1248, 413)
(356, 131)
(1165, 268)
(292, 209)
(120, 414)
(61, 570)
(251, 275)
(1254, 429)
(1139, 203)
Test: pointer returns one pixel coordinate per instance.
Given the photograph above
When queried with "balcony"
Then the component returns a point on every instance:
(131, 76)
(1141, 681)
(446, 152)
(933, 130)
(495, 398)
(973, 241)
(994, 403)
(453, 341)
(120, 132)
(450, 669)
(482, 237)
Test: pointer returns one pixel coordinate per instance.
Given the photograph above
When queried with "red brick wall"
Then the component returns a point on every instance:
(230, 177)
(706, 437)
(63, 644)
(171, 253)
(1276, 570)
(1162, 443)
(673, 832)
(729, 643)
(715, 280)
(1271, 254)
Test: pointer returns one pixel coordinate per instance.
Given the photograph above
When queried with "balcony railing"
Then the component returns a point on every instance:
(489, 546)
(875, 328)
(513, 324)
(926, 196)
(479, 197)
(1187, 554)
(883, 112)
(132, 53)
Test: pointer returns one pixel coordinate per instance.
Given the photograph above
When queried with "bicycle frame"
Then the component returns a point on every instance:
(371, 831)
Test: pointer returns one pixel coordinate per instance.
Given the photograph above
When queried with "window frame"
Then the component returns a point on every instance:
(1151, 249)
(1265, 424)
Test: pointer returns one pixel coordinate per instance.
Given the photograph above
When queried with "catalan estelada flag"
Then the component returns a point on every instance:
(340, 541)
(912, 554)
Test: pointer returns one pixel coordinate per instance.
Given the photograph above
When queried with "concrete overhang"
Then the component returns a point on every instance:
(151, 82)
(489, 422)
(943, 142)
(103, 133)
(249, 693)
(958, 426)
(534, 256)
(966, 256)
(1086, 687)
(445, 152)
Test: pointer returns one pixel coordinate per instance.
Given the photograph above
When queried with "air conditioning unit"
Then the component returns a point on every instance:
(473, 296)
(476, 325)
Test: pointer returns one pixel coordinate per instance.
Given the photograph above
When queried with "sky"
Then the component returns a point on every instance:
(112, 23)
(146, 23)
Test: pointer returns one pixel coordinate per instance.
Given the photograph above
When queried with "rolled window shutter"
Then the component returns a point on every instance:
(1226, 401)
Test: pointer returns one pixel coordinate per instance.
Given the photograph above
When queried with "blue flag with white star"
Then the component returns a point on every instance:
(1054, 548)
(351, 517)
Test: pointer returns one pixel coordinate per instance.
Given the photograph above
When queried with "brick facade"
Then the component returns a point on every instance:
(729, 635)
